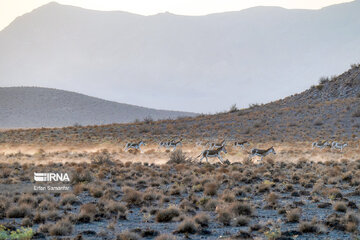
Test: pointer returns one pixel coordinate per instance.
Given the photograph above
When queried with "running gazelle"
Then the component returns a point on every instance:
(213, 153)
(134, 145)
(261, 153)
(321, 144)
(242, 144)
(173, 144)
(217, 145)
(337, 145)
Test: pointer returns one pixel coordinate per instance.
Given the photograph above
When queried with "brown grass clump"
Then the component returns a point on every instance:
(61, 228)
(166, 215)
(96, 192)
(272, 198)
(18, 211)
(242, 221)
(69, 198)
(128, 236)
(177, 157)
(352, 222)
(116, 208)
(309, 227)
(293, 215)
(26, 222)
(187, 226)
(46, 205)
(210, 205)
(202, 219)
(228, 196)
(87, 213)
(210, 189)
(132, 197)
(240, 208)
(340, 207)
(224, 216)
(81, 176)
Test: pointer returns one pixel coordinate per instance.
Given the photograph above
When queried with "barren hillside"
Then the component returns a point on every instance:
(330, 110)
(43, 107)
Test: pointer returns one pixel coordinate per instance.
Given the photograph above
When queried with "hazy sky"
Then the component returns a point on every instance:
(10, 9)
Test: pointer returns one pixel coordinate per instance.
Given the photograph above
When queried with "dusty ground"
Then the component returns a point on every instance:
(299, 193)
(151, 153)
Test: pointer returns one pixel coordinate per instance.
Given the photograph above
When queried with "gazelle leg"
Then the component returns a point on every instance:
(220, 158)
(207, 160)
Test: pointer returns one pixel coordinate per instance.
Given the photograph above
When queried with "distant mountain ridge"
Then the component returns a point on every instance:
(29, 107)
(201, 64)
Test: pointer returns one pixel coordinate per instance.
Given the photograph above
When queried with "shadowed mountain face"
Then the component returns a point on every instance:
(44, 107)
(200, 64)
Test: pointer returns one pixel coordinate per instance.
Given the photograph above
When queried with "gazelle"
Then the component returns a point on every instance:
(173, 144)
(216, 145)
(213, 153)
(242, 144)
(163, 144)
(134, 145)
(337, 145)
(261, 153)
(321, 144)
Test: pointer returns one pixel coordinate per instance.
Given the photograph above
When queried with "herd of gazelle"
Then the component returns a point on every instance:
(215, 148)
(329, 144)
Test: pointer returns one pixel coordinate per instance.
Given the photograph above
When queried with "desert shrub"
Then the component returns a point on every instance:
(308, 227)
(224, 216)
(177, 157)
(131, 196)
(52, 215)
(242, 221)
(323, 80)
(239, 208)
(272, 198)
(46, 205)
(228, 196)
(187, 226)
(210, 189)
(166, 215)
(87, 212)
(202, 219)
(233, 109)
(44, 228)
(210, 205)
(128, 236)
(20, 211)
(81, 176)
(61, 228)
(114, 207)
(27, 199)
(340, 206)
(148, 120)
(102, 158)
(96, 191)
(69, 198)
(352, 222)
(293, 215)
(26, 222)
